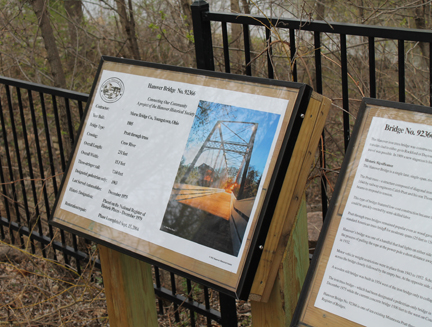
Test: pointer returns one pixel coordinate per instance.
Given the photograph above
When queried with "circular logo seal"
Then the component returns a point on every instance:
(112, 90)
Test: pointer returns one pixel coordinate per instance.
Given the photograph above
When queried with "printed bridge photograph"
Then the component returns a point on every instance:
(219, 175)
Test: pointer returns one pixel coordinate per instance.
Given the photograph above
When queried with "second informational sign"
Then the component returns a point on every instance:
(176, 166)
(374, 268)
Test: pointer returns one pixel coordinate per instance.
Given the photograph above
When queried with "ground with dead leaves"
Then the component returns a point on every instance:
(35, 291)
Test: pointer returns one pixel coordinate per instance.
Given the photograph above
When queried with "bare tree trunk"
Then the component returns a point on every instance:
(420, 22)
(127, 21)
(185, 5)
(44, 22)
(235, 28)
(186, 8)
(361, 11)
(236, 33)
(246, 8)
(75, 17)
(320, 9)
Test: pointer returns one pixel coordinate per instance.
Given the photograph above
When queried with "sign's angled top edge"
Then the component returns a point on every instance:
(396, 105)
(196, 71)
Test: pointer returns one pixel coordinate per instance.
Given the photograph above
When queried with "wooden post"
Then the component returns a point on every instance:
(279, 309)
(129, 290)
(290, 198)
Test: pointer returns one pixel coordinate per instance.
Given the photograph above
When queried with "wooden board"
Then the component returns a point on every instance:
(279, 308)
(307, 313)
(129, 289)
(283, 221)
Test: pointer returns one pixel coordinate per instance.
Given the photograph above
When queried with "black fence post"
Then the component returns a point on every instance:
(202, 35)
(228, 310)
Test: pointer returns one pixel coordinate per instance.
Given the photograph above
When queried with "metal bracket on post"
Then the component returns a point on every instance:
(202, 36)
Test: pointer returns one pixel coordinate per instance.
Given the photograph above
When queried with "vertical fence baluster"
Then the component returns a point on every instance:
(293, 52)
(318, 65)
(11, 197)
(49, 145)
(246, 40)
(72, 140)
(174, 292)
(345, 96)
(226, 47)
(63, 165)
(158, 285)
(372, 68)
(70, 125)
(51, 164)
(30, 168)
(40, 163)
(5, 201)
(190, 299)
(270, 69)
(59, 133)
(319, 89)
(19, 164)
(207, 304)
(80, 109)
(75, 247)
(430, 74)
(401, 70)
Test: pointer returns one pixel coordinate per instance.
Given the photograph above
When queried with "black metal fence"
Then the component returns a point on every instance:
(341, 61)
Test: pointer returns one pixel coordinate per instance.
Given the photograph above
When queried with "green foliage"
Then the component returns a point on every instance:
(153, 26)
(246, 321)
(190, 36)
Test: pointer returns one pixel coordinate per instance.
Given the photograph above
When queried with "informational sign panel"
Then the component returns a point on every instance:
(373, 266)
(176, 165)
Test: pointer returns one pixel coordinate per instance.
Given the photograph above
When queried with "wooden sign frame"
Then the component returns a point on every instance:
(162, 96)
(340, 249)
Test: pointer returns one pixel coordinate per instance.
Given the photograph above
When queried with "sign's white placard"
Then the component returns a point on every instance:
(378, 273)
(140, 135)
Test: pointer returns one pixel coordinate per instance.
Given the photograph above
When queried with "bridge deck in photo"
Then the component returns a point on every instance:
(212, 200)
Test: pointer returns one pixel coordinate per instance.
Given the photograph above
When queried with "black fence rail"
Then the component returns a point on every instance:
(345, 62)
(38, 127)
